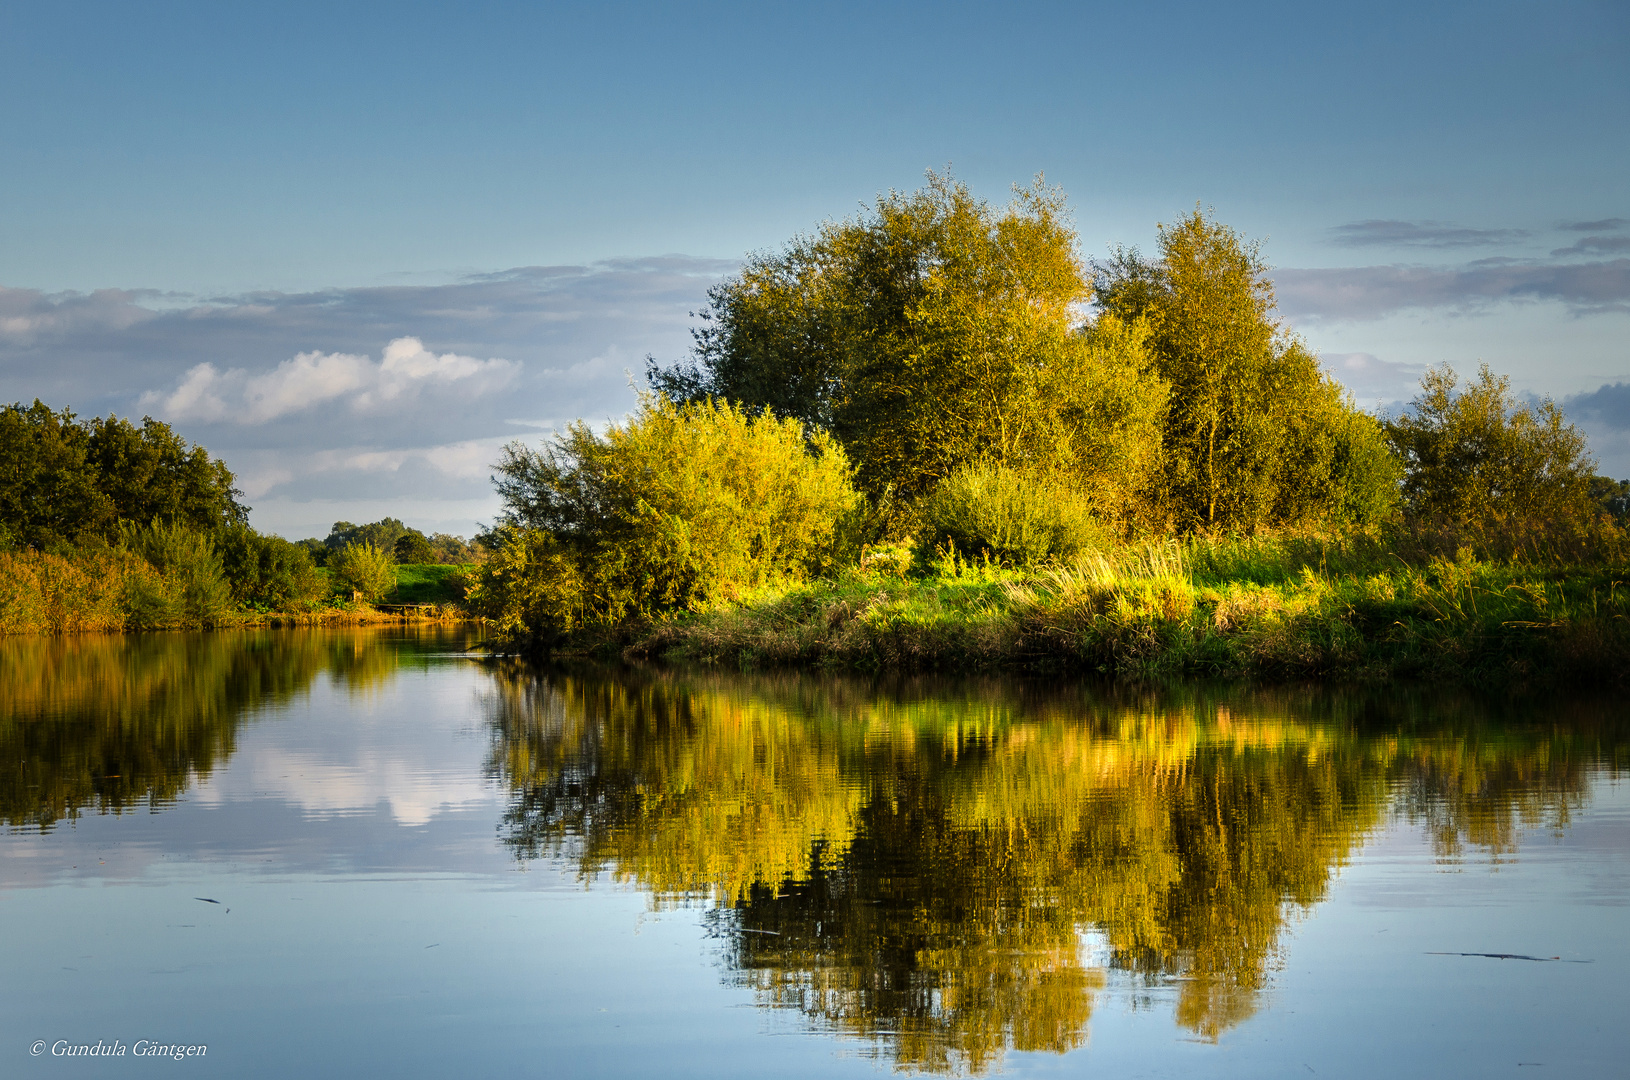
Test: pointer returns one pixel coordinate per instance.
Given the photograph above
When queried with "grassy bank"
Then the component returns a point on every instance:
(111, 590)
(1264, 609)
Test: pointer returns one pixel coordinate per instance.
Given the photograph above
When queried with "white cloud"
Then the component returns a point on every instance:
(1373, 381)
(313, 378)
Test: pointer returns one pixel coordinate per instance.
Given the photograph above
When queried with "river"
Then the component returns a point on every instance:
(374, 852)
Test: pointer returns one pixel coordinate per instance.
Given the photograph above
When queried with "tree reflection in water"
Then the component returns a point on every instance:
(922, 864)
(111, 722)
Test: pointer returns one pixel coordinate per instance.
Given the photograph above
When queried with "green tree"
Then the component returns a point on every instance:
(1255, 434)
(64, 481)
(151, 472)
(1477, 459)
(49, 494)
(933, 331)
(382, 534)
(268, 571)
(413, 548)
(364, 569)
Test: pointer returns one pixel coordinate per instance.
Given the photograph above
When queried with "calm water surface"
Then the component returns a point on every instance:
(345, 853)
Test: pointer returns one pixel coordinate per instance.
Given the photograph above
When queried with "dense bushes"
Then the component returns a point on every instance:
(678, 507)
(1015, 517)
(268, 572)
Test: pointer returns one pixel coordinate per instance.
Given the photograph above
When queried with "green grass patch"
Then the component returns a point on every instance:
(430, 583)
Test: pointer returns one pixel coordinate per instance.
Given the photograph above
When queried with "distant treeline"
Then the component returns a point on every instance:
(107, 525)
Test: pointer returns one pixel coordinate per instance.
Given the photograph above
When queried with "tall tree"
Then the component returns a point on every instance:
(932, 331)
(1252, 417)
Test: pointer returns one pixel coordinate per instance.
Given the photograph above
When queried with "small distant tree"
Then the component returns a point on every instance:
(1477, 460)
(365, 569)
(382, 534)
(414, 549)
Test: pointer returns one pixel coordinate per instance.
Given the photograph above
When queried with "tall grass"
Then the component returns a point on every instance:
(1276, 608)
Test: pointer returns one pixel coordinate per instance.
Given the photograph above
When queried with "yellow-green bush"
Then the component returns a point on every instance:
(681, 506)
(1015, 517)
(364, 569)
(52, 594)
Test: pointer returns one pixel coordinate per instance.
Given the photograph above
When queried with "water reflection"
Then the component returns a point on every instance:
(109, 723)
(953, 870)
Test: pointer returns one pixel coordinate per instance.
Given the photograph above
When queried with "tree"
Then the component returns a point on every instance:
(1476, 459)
(413, 549)
(1252, 419)
(64, 481)
(382, 534)
(931, 332)
(364, 569)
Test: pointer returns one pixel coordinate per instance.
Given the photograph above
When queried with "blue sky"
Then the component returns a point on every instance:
(537, 195)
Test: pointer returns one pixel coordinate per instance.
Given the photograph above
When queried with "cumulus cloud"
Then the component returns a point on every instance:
(1608, 406)
(310, 379)
(1371, 292)
(1429, 234)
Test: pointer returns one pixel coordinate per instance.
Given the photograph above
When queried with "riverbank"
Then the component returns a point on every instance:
(1236, 610)
(115, 591)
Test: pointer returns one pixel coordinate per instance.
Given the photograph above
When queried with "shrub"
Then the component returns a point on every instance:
(365, 570)
(1012, 516)
(268, 571)
(194, 589)
(681, 506)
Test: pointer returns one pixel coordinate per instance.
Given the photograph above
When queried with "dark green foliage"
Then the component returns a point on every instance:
(381, 534)
(316, 549)
(66, 482)
(413, 547)
(1612, 497)
(268, 572)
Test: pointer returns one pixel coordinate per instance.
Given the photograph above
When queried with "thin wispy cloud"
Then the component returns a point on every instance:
(1378, 232)
(1611, 224)
(1372, 292)
(1595, 245)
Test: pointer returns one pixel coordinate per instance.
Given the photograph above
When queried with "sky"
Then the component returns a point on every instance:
(354, 248)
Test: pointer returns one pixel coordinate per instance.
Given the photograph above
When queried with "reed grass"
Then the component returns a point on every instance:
(1265, 608)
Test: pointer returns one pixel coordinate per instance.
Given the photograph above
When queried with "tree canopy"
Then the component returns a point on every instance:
(932, 331)
(936, 331)
(1255, 433)
(67, 481)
